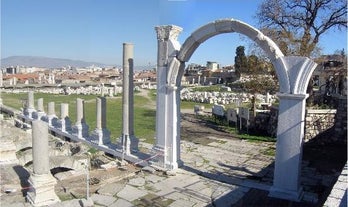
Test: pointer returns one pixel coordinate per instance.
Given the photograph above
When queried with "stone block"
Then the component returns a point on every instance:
(245, 29)
(186, 51)
(111, 189)
(43, 190)
(205, 32)
(103, 199)
(121, 203)
(131, 193)
(137, 182)
(223, 26)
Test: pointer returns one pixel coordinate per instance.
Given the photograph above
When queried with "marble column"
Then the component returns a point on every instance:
(81, 128)
(65, 123)
(129, 142)
(199, 80)
(290, 134)
(101, 135)
(30, 108)
(41, 179)
(51, 114)
(167, 143)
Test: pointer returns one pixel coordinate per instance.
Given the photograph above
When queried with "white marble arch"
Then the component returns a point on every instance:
(293, 73)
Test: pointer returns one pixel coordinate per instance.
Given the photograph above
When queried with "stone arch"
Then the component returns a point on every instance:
(228, 26)
(293, 74)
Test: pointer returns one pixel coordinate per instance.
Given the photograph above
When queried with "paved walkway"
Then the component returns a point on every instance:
(338, 195)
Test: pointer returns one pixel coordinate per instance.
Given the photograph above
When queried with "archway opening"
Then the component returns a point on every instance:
(212, 147)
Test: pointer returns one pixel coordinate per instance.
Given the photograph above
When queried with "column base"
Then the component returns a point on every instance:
(42, 193)
(129, 144)
(286, 194)
(64, 125)
(81, 131)
(159, 159)
(29, 112)
(100, 136)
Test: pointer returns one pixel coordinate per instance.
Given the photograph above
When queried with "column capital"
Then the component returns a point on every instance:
(166, 32)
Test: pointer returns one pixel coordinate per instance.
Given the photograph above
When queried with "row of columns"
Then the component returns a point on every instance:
(100, 135)
(80, 129)
(42, 182)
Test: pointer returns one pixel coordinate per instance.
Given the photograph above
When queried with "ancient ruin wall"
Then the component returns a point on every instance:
(318, 121)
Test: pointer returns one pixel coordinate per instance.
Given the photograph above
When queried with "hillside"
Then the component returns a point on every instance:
(46, 62)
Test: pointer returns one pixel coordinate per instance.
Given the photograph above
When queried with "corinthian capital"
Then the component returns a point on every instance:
(166, 32)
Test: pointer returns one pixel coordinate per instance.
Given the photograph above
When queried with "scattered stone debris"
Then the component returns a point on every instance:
(149, 169)
(171, 172)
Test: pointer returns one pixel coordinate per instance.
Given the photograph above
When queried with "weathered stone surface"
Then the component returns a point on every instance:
(111, 189)
(137, 182)
(204, 32)
(121, 203)
(103, 199)
(153, 178)
(180, 203)
(149, 169)
(131, 193)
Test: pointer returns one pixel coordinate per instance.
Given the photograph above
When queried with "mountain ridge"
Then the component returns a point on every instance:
(46, 62)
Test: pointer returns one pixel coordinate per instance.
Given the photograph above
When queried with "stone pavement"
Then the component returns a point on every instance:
(338, 195)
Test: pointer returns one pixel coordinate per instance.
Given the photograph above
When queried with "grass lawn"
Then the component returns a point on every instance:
(144, 118)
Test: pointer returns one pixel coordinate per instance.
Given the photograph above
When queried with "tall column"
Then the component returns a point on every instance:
(81, 128)
(199, 80)
(41, 179)
(167, 140)
(294, 74)
(290, 134)
(30, 108)
(128, 141)
(101, 135)
(65, 122)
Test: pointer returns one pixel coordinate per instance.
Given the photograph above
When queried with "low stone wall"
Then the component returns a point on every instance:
(318, 121)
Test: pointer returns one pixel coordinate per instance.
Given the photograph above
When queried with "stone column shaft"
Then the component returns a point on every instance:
(101, 113)
(79, 111)
(290, 135)
(101, 135)
(51, 109)
(167, 130)
(40, 147)
(42, 182)
(81, 128)
(128, 141)
(40, 106)
(127, 96)
(64, 110)
(31, 100)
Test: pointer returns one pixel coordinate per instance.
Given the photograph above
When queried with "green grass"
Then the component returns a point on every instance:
(144, 118)
(191, 105)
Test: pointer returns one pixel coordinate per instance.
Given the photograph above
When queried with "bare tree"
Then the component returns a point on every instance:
(296, 25)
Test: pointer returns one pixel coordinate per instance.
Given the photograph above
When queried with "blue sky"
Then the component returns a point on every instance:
(94, 30)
